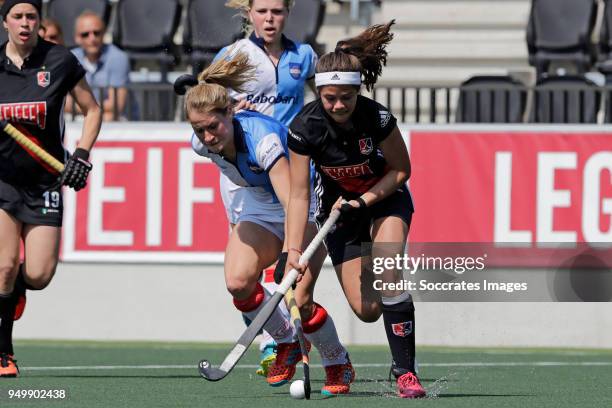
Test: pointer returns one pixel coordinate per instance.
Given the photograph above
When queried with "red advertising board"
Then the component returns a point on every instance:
(150, 198)
(511, 186)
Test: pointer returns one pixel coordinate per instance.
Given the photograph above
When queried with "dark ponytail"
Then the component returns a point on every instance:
(365, 53)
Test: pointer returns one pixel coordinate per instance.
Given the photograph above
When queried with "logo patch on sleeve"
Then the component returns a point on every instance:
(293, 135)
(385, 116)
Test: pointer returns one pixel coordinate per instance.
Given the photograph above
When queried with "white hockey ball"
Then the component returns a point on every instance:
(297, 389)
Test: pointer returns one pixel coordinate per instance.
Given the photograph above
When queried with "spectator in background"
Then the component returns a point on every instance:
(50, 30)
(107, 66)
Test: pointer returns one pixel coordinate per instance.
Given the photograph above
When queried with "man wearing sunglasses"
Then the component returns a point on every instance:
(107, 66)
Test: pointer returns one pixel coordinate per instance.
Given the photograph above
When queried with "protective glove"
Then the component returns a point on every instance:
(76, 170)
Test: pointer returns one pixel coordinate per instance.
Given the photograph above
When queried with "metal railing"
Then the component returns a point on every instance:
(421, 104)
(498, 104)
(145, 102)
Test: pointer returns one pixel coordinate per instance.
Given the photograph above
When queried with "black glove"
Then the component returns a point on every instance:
(350, 212)
(352, 219)
(279, 271)
(76, 170)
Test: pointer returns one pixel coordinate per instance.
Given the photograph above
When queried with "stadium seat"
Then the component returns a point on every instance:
(491, 99)
(605, 56)
(305, 20)
(3, 36)
(559, 31)
(566, 99)
(605, 40)
(209, 26)
(65, 12)
(146, 32)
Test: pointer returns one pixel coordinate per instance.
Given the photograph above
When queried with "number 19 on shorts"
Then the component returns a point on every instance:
(52, 199)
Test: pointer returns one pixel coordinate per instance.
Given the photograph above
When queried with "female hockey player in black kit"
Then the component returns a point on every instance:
(363, 165)
(36, 76)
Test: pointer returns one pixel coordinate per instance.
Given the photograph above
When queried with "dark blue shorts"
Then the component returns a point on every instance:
(39, 204)
(345, 241)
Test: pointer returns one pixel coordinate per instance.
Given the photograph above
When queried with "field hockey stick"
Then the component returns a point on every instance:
(29, 145)
(296, 319)
(218, 373)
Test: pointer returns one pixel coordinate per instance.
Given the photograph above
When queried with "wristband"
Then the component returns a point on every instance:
(81, 153)
(361, 201)
(296, 250)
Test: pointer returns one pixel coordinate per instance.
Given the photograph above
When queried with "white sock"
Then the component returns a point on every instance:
(270, 286)
(325, 339)
(278, 326)
(266, 339)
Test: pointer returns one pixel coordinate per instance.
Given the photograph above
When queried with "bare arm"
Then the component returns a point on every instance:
(279, 176)
(115, 96)
(299, 205)
(69, 103)
(396, 154)
(91, 111)
(243, 104)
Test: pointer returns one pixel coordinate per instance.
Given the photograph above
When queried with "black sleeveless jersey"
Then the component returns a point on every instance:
(32, 100)
(348, 161)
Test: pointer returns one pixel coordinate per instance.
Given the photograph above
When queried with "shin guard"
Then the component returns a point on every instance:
(399, 326)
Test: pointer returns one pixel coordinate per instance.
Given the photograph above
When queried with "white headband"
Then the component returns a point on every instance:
(337, 78)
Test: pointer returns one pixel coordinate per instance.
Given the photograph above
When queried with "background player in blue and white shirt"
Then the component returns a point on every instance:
(251, 149)
(284, 67)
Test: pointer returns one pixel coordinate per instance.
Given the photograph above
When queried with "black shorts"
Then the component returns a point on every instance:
(38, 204)
(345, 241)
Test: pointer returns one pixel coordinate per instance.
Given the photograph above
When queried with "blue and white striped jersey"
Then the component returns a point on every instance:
(278, 90)
(260, 142)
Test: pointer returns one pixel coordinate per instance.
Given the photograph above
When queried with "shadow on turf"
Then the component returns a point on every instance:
(353, 394)
(391, 394)
(481, 395)
(379, 380)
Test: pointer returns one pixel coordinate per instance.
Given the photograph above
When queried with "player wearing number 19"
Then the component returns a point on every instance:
(36, 76)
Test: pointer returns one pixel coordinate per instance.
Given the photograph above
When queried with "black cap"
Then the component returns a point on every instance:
(9, 4)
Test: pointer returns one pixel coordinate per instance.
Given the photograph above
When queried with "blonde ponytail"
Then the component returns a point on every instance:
(225, 73)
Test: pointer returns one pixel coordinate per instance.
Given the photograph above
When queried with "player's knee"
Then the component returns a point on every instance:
(240, 288)
(306, 310)
(8, 272)
(40, 279)
(39, 282)
(369, 312)
(368, 317)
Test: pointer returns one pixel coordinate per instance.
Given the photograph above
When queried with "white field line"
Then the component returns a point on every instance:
(373, 365)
